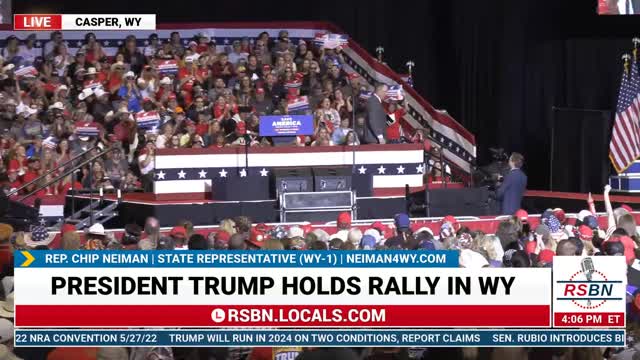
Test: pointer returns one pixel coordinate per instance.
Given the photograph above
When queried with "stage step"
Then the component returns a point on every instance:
(91, 214)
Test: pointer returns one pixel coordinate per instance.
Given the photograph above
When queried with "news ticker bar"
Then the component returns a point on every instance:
(243, 259)
(83, 22)
(321, 338)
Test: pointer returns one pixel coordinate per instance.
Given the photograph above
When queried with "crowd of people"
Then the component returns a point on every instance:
(520, 241)
(55, 104)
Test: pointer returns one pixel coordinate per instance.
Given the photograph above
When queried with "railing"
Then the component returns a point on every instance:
(51, 171)
(68, 172)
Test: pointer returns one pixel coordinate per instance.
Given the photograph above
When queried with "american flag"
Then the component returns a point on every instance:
(625, 138)
(148, 120)
(166, 67)
(301, 103)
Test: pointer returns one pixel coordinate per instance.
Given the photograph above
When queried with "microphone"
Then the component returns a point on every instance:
(587, 269)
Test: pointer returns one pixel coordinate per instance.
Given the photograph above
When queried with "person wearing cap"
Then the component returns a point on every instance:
(101, 107)
(236, 55)
(239, 136)
(191, 138)
(261, 105)
(79, 66)
(153, 47)
(367, 242)
(96, 237)
(220, 240)
(513, 186)
(403, 232)
(130, 93)
(178, 234)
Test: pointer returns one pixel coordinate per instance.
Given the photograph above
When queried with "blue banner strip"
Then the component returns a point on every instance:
(316, 338)
(238, 259)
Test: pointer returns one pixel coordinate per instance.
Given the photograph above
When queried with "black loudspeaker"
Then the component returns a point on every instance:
(292, 180)
(315, 206)
(334, 178)
(17, 214)
(457, 202)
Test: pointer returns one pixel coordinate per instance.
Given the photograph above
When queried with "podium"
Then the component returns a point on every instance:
(628, 181)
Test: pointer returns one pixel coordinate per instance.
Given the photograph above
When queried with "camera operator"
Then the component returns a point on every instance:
(511, 190)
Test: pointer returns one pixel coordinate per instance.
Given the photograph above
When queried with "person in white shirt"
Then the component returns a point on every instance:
(146, 162)
(339, 135)
(49, 47)
(626, 7)
(153, 47)
(164, 139)
(28, 51)
(236, 55)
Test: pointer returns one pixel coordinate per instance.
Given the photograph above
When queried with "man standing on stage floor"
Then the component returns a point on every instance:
(510, 192)
(376, 124)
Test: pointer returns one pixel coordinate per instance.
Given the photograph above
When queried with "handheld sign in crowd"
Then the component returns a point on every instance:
(286, 125)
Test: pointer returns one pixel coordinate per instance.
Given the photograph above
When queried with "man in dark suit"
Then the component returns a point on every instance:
(375, 126)
(513, 186)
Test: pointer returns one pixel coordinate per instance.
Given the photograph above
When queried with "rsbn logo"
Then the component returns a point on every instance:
(588, 288)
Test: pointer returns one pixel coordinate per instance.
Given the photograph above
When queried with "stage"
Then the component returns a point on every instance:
(136, 207)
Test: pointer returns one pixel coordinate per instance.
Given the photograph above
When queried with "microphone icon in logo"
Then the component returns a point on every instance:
(587, 269)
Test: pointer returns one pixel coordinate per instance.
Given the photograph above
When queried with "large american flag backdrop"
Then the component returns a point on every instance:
(194, 173)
